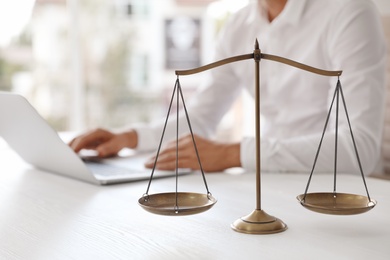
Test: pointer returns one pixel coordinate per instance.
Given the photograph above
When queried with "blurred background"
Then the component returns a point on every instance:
(109, 63)
(106, 63)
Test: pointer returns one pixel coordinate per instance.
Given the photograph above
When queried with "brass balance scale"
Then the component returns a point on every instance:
(258, 221)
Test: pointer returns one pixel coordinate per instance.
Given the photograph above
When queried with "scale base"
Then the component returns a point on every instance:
(258, 222)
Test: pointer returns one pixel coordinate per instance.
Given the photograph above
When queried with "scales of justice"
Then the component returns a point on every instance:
(258, 221)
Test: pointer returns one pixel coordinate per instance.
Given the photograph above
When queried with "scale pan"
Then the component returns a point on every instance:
(187, 203)
(336, 203)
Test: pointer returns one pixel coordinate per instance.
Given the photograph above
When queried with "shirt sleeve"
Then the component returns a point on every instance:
(205, 109)
(356, 44)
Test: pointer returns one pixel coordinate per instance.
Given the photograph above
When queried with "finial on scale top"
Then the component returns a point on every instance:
(257, 52)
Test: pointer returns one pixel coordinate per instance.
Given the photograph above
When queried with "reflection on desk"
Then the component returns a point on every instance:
(45, 216)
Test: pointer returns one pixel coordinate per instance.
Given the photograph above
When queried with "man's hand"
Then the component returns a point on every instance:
(213, 156)
(105, 143)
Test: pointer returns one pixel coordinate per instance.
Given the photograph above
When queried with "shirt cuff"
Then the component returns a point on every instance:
(147, 140)
(248, 154)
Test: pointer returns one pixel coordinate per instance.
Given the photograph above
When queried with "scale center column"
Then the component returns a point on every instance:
(258, 222)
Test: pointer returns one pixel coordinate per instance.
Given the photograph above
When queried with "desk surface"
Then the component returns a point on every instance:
(45, 216)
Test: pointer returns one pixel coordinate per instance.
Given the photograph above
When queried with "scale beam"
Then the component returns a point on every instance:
(214, 65)
(329, 73)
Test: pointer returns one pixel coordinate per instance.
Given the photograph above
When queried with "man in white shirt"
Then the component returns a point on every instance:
(328, 34)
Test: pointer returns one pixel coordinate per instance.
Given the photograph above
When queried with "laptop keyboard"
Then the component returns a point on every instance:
(106, 171)
(109, 170)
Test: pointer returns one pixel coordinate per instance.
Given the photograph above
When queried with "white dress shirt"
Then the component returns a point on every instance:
(327, 34)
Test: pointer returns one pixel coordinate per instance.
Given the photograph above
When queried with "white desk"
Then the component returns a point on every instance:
(44, 216)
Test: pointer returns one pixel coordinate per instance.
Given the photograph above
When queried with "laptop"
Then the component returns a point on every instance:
(29, 135)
